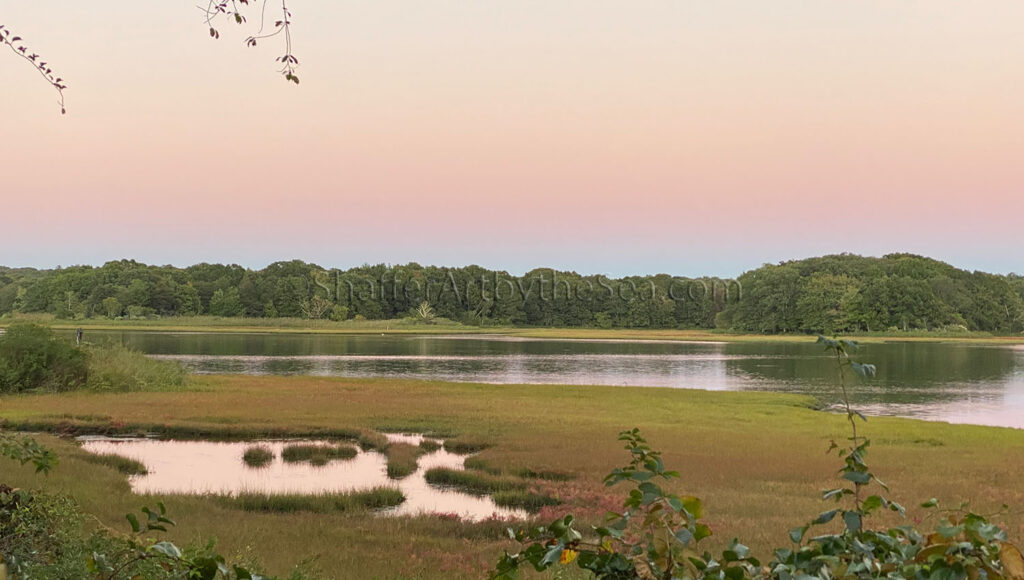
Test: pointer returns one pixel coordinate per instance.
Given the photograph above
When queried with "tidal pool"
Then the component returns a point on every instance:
(216, 467)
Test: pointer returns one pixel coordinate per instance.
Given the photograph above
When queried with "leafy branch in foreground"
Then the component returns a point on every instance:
(657, 534)
(137, 551)
(230, 9)
(24, 449)
(18, 47)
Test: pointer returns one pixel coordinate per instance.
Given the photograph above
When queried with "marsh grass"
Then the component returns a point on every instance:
(464, 447)
(324, 503)
(506, 491)
(224, 429)
(478, 464)
(430, 445)
(529, 501)
(472, 482)
(258, 456)
(125, 465)
(316, 454)
(402, 459)
(113, 367)
(373, 441)
(756, 459)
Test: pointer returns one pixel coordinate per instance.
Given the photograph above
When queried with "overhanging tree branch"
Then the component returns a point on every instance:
(214, 10)
(18, 47)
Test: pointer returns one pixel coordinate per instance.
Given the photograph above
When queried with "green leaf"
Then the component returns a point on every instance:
(134, 521)
(684, 536)
(694, 506)
(853, 521)
(864, 370)
(701, 531)
(857, 477)
(825, 517)
(872, 503)
(167, 549)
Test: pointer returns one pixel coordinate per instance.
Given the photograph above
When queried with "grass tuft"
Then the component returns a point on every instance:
(376, 498)
(472, 482)
(125, 465)
(478, 464)
(316, 454)
(372, 440)
(525, 500)
(258, 456)
(402, 459)
(464, 447)
(430, 445)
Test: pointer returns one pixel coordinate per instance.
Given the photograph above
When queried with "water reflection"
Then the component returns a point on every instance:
(952, 382)
(214, 467)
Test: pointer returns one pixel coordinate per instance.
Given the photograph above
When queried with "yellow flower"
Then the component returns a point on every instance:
(568, 556)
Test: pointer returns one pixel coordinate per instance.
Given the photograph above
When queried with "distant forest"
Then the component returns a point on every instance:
(839, 293)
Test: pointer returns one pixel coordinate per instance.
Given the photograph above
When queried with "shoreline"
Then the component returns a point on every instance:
(402, 327)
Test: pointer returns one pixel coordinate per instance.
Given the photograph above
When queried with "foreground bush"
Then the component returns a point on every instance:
(32, 358)
(43, 536)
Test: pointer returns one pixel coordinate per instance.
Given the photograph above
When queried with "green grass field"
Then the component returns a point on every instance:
(758, 460)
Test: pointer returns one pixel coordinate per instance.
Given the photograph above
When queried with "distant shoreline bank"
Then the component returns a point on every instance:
(207, 324)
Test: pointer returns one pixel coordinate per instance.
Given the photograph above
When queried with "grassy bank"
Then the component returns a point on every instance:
(208, 324)
(756, 459)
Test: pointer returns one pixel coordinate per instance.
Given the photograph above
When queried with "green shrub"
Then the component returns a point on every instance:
(41, 536)
(33, 358)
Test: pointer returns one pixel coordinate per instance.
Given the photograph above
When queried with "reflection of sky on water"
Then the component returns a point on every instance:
(955, 382)
(214, 467)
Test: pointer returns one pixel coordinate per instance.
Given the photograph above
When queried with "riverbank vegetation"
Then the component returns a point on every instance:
(33, 358)
(760, 457)
(841, 293)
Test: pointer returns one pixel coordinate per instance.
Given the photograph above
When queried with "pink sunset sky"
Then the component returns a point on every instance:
(685, 137)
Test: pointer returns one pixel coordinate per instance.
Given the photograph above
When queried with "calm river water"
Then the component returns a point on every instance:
(937, 381)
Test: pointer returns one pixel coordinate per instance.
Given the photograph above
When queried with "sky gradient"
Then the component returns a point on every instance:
(609, 137)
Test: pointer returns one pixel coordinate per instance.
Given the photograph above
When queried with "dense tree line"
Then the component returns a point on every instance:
(848, 293)
(827, 294)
